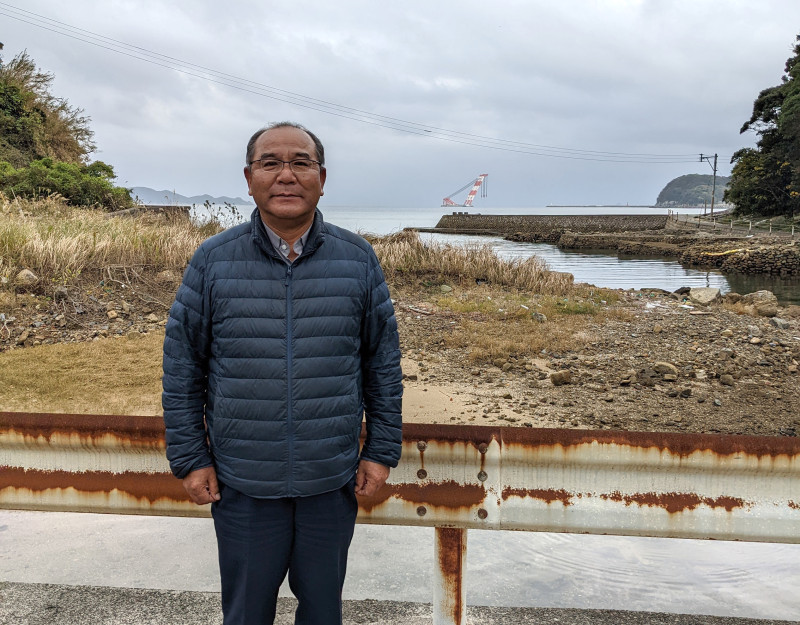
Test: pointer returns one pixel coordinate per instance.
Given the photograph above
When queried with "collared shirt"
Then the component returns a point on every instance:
(282, 247)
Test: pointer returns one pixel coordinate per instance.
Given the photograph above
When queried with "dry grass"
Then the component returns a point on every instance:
(404, 254)
(59, 243)
(498, 325)
(109, 376)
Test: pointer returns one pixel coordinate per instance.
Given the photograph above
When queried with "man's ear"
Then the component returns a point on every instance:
(247, 175)
(323, 173)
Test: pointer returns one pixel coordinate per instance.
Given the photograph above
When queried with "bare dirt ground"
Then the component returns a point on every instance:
(669, 367)
(662, 366)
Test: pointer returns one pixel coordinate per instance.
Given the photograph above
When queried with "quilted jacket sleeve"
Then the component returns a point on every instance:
(382, 377)
(186, 353)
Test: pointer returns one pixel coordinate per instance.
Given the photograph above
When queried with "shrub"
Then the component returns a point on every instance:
(80, 185)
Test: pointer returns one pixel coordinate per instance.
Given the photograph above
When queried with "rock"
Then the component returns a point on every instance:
(732, 298)
(657, 329)
(537, 316)
(126, 307)
(717, 402)
(686, 392)
(727, 333)
(755, 340)
(760, 303)
(726, 379)
(665, 368)
(152, 318)
(445, 288)
(60, 293)
(168, 275)
(670, 377)
(26, 276)
(23, 337)
(779, 323)
(608, 397)
(561, 377)
(753, 331)
(704, 296)
(507, 366)
(727, 354)
(112, 314)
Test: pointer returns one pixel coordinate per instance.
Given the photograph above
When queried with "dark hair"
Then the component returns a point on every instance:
(317, 143)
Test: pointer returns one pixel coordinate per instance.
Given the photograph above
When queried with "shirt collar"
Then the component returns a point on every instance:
(281, 246)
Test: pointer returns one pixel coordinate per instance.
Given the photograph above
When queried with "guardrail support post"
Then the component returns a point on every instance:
(450, 560)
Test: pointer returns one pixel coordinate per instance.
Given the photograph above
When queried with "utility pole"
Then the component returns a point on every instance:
(714, 183)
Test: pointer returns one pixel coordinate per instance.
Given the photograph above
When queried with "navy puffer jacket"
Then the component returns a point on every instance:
(268, 368)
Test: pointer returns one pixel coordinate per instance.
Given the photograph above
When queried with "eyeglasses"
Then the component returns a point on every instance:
(299, 166)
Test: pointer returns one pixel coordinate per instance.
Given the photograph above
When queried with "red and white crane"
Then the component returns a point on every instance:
(476, 184)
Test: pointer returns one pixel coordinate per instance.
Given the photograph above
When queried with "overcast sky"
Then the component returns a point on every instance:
(657, 77)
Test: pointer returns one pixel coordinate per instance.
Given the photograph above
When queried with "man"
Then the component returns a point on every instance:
(281, 336)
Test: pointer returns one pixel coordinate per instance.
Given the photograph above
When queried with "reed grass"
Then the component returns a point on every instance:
(59, 242)
(404, 253)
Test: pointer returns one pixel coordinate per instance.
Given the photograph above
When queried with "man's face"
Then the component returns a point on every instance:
(285, 199)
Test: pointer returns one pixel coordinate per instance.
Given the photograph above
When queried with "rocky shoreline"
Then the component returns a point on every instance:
(730, 254)
(641, 235)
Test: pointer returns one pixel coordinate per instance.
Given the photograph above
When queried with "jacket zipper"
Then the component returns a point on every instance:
(289, 425)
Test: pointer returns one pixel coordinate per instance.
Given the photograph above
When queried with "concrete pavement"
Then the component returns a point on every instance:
(51, 604)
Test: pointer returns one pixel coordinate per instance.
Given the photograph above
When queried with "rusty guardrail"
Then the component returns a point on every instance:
(452, 478)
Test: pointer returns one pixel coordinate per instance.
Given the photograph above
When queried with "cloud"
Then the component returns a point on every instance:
(624, 76)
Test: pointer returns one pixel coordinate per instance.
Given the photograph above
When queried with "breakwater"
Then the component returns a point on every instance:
(547, 228)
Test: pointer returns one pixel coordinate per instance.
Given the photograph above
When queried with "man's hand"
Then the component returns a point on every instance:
(370, 477)
(202, 485)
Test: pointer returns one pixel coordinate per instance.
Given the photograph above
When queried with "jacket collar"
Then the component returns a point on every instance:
(316, 236)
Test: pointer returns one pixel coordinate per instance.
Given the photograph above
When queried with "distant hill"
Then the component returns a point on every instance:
(146, 195)
(692, 190)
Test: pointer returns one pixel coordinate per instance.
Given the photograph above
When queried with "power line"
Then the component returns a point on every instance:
(324, 106)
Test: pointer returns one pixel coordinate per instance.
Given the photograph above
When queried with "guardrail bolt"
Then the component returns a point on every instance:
(482, 476)
(422, 445)
(422, 474)
(483, 447)
(421, 511)
(482, 514)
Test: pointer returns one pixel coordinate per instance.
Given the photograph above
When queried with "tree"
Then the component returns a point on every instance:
(36, 124)
(45, 142)
(765, 180)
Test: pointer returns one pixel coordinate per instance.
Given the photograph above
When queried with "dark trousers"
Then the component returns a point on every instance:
(259, 540)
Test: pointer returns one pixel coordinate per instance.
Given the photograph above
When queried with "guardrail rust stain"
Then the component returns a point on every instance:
(130, 430)
(671, 502)
(451, 553)
(446, 494)
(678, 444)
(151, 487)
